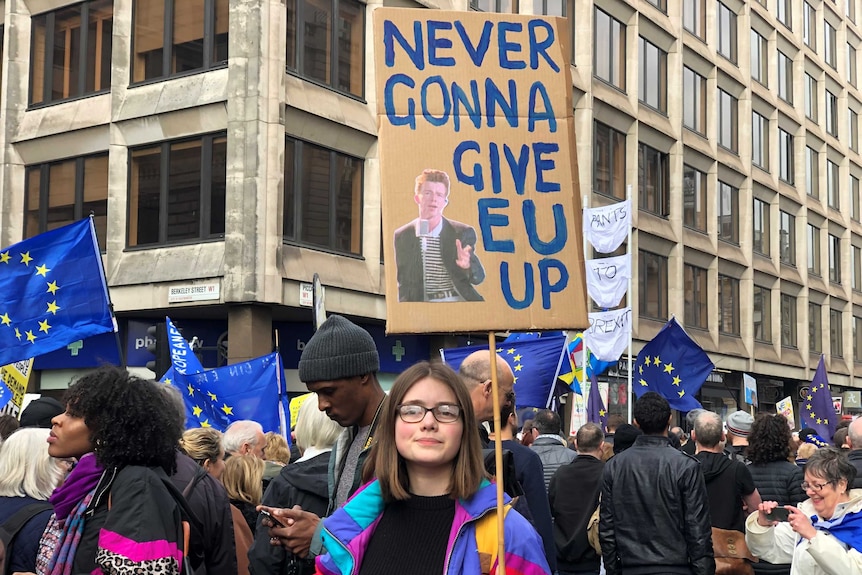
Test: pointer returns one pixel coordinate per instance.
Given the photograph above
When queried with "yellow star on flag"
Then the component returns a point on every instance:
(677, 380)
(514, 381)
(819, 421)
(518, 357)
(5, 319)
(519, 367)
(510, 351)
(30, 337)
(643, 383)
(191, 390)
(212, 396)
(167, 381)
(647, 361)
(197, 410)
(26, 259)
(499, 350)
(4, 258)
(681, 392)
(668, 367)
(808, 407)
(809, 398)
(53, 307)
(17, 333)
(656, 361)
(42, 270)
(227, 410)
(602, 412)
(825, 421)
(821, 386)
(43, 326)
(640, 370)
(53, 287)
(205, 423)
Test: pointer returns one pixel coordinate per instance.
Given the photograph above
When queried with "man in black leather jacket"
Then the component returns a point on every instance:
(654, 516)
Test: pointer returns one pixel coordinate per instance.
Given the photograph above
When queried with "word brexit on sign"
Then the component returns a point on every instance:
(486, 98)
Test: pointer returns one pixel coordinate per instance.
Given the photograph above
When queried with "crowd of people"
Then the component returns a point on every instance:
(109, 481)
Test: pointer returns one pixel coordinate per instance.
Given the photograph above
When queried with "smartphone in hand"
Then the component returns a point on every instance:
(778, 514)
(275, 521)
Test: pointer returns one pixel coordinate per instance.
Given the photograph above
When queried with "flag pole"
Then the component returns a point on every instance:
(498, 456)
(107, 292)
(585, 361)
(629, 295)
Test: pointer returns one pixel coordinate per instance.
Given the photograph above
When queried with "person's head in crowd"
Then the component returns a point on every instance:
(843, 423)
(428, 400)
(276, 449)
(691, 417)
(26, 469)
(340, 364)
(828, 477)
(652, 414)
(8, 424)
(589, 440)
(204, 445)
(613, 423)
(547, 421)
(804, 452)
(123, 419)
(739, 425)
(675, 438)
(708, 430)
(243, 478)
(475, 370)
(244, 436)
(839, 439)
(314, 430)
(40, 412)
(769, 439)
(680, 435)
(854, 433)
(625, 437)
(175, 398)
(528, 432)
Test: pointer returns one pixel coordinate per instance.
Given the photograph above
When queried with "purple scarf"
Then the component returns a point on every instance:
(80, 482)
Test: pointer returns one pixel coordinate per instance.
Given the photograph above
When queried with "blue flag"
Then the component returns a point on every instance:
(535, 363)
(183, 359)
(596, 412)
(817, 411)
(52, 292)
(5, 395)
(673, 366)
(248, 390)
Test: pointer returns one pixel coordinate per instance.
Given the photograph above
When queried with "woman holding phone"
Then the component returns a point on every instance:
(823, 535)
(430, 487)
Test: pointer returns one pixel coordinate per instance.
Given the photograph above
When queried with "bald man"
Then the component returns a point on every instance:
(854, 438)
(476, 372)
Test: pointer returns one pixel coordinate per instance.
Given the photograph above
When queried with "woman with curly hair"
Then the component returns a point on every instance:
(117, 512)
(776, 478)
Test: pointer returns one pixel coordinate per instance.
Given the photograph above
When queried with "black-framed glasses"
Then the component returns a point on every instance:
(444, 413)
(815, 486)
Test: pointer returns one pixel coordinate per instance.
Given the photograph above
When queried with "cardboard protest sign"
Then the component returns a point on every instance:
(481, 218)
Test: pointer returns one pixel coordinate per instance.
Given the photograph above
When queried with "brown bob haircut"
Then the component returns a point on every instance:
(384, 461)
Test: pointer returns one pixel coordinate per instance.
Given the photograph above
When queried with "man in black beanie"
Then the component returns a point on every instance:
(40, 412)
(340, 364)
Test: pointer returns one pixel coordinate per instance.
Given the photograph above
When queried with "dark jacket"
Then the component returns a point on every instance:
(211, 551)
(574, 495)
(654, 514)
(553, 452)
(854, 456)
(304, 484)
(727, 482)
(408, 261)
(779, 481)
(528, 471)
(25, 544)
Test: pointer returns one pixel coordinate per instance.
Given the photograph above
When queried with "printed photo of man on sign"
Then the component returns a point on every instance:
(475, 114)
(435, 255)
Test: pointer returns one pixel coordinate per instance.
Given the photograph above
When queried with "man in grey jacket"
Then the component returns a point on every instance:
(549, 445)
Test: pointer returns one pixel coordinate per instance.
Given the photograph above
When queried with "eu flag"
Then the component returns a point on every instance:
(535, 363)
(52, 292)
(673, 366)
(596, 412)
(183, 358)
(249, 390)
(817, 411)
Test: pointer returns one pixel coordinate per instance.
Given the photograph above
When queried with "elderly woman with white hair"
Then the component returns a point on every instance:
(28, 476)
(302, 483)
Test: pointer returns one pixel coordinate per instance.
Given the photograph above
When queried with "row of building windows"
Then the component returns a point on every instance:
(71, 46)
(177, 194)
(652, 291)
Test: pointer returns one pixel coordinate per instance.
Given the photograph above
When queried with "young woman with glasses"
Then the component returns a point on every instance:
(824, 533)
(420, 514)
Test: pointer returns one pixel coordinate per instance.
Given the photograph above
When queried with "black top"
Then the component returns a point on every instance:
(411, 537)
(727, 482)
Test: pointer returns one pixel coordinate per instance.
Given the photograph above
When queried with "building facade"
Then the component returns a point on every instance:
(231, 145)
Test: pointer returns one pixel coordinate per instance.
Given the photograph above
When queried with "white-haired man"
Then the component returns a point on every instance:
(244, 436)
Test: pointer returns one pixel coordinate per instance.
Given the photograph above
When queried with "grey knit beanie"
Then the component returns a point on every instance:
(338, 350)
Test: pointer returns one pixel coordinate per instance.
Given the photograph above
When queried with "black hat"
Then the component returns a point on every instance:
(339, 349)
(40, 412)
(624, 437)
